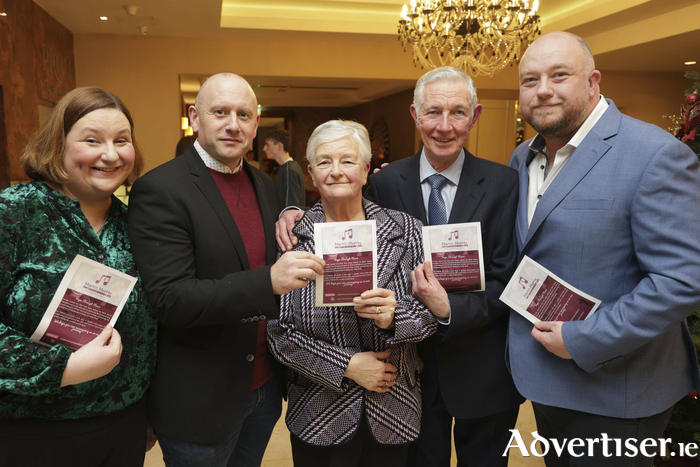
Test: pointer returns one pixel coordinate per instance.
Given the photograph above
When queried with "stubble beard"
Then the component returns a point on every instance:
(571, 119)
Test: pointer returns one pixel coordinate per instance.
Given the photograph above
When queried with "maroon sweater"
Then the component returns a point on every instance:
(239, 194)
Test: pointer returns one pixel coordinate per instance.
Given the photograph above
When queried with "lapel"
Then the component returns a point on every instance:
(409, 189)
(206, 184)
(469, 192)
(391, 237)
(523, 183)
(585, 157)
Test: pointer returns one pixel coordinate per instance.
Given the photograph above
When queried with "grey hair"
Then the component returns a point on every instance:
(333, 130)
(445, 73)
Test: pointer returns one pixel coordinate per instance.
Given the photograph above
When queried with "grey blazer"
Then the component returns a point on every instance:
(620, 222)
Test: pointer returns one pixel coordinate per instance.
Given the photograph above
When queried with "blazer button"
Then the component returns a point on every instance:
(263, 317)
(250, 357)
(250, 320)
(243, 320)
(256, 318)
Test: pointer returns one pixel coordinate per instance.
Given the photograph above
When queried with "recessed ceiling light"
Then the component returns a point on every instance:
(3, 14)
(691, 63)
(104, 18)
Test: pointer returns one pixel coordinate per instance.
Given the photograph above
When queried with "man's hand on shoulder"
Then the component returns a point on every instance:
(283, 229)
(376, 171)
(294, 270)
(548, 333)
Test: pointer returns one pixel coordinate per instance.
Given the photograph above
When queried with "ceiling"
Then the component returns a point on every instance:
(625, 35)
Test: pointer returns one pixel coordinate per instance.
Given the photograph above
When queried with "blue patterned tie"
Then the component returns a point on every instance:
(437, 214)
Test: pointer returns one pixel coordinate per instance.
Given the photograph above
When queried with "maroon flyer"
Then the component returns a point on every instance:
(346, 276)
(350, 252)
(456, 255)
(554, 302)
(539, 295)
(89, 297)
(457, 270)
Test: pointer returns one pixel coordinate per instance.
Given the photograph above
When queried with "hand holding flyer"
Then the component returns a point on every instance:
(350, 252)
(539, 295)
(89, 297)
(457, 256)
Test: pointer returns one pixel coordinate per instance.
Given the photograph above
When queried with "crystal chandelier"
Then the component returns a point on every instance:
(480, 36)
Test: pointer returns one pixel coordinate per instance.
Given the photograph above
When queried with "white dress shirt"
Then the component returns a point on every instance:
(536, 170)
(452, 174)
(215, 164)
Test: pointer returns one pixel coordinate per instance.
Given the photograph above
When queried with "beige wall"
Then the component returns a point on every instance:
(646, 96)
(395, 111)
(36, 62)
(143, 71)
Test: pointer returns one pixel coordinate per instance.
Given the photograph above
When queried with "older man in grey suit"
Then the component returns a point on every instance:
(611, 205)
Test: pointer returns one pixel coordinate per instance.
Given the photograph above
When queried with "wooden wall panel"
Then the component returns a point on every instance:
(27, 34)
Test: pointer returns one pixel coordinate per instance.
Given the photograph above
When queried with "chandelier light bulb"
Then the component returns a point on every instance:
(480, 36)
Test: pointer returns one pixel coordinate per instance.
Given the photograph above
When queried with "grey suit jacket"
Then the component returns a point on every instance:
(620, 222)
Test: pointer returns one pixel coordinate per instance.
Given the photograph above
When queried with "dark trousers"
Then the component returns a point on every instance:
(362, 450)
(565, 424)
(120, 443)
(479, 442)
(244, 447)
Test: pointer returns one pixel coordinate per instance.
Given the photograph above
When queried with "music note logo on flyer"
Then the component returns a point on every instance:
(89, 297)
(456, 255)
(539, 295)
(350, 252)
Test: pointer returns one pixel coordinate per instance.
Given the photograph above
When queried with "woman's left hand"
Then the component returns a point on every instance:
(377, 304)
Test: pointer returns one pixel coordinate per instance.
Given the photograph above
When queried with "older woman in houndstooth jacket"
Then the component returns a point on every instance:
(353, 372)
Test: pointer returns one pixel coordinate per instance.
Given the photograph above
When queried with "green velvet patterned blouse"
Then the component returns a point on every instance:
(41, 231)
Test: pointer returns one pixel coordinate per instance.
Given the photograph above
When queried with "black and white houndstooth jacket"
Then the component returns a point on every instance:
(316, 344)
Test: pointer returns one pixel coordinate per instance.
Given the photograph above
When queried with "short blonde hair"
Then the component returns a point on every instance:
(42, 158)
(333, 130)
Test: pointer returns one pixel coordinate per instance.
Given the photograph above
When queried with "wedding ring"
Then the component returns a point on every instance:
(379, 310)
(385, 385)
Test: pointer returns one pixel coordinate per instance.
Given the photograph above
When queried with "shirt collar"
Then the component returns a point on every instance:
(537, 144)
(452, 173)
(215, 164)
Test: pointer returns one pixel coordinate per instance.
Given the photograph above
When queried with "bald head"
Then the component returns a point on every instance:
(225, 117)
(561, 39)
(221, 78)
(558, 86)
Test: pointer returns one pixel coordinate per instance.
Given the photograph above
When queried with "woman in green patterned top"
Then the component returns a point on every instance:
(59, 407)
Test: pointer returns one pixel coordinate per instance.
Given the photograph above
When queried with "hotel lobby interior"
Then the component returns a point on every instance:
(309, 61)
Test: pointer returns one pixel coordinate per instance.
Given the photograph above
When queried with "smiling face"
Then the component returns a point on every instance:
(337, 171)
(225, 118)
(99, 155)
(444, 121)
(558, 86)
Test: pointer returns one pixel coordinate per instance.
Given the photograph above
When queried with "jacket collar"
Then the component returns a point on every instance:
(593, 147)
